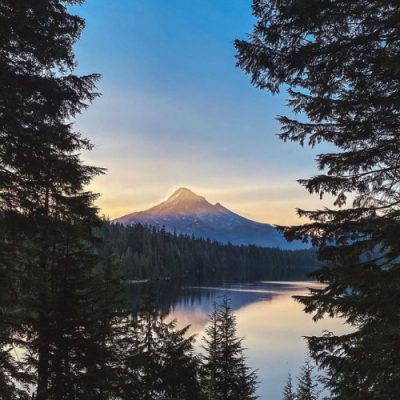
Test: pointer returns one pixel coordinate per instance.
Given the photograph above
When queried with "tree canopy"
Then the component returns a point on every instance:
(225, 375)
(46, 213)
(338, 61)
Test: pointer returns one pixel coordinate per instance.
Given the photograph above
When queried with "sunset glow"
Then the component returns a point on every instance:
(175, 120)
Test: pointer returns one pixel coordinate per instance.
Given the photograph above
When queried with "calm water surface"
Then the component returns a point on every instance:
(268, 318)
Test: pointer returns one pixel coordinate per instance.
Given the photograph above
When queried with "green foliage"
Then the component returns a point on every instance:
(339, 61)
(225, 375)
(148, 253)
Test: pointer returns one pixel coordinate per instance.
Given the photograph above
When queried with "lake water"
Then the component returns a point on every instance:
(270, 321)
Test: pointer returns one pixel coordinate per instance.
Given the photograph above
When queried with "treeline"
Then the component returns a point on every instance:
(147, 252)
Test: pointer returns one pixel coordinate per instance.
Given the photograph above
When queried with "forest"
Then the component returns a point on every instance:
(151, 253)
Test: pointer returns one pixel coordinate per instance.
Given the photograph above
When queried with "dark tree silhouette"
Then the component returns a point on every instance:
(159, 360)
(105, 343)
(46, 214)
(225, 375)
(339, 62)
(306, 388)
(288, 392)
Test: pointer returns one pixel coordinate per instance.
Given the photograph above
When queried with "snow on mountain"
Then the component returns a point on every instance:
(188, 213)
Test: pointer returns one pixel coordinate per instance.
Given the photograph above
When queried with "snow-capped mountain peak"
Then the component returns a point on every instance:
(184, 194)
(182, 202)
(188, 213)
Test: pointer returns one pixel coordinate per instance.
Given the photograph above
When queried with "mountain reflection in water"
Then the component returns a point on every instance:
(271, 322)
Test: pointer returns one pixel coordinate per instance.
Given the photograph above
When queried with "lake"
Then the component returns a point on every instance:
(271, 322)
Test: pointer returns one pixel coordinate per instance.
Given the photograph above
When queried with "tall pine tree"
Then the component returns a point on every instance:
(225, 375)
(107, 334)
(46, 214)
(288, 393)
(339, 62)
(306, 388)
(159, 361)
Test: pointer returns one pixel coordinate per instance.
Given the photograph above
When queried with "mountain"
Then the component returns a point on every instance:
(188, 213)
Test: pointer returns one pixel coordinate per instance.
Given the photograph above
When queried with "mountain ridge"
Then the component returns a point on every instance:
(189, 213)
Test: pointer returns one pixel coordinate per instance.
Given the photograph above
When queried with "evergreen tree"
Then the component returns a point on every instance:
(46, 214)
(108, 330)
(210, 367)
(14, 378)
(179, 373)
(288, 393)
(338, 61)
(70, 320)
(306, 389)
(225, 375)
(159, 361)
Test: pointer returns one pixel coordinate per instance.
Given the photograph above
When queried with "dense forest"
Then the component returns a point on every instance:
(150, 253)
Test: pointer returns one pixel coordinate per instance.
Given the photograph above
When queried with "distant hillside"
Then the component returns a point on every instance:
(188, 213)
(148, 253)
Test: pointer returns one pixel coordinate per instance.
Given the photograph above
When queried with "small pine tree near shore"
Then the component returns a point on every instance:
(288, 392)
(225, 375)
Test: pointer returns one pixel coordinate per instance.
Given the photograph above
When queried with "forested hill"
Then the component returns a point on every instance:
(147, 253)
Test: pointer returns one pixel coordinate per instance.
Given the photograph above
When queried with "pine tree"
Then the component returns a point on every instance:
(108, 330)
(46, 214)
(210, 367)
(225, 375)
(179, 373)
(14, 378)
(338, 61)
(159, 361)
(288, 393)
(306, 389)
(71, 320)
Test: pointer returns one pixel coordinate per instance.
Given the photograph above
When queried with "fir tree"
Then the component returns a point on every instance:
(338, 61)
(14, 376)
(46, 214)
(159, 361)
(210, 367)
(225, 375)
(288, 393)
(108, 330)
(179, 373)
(306, 388)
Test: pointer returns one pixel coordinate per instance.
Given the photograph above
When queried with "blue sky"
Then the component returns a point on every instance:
(175, 110)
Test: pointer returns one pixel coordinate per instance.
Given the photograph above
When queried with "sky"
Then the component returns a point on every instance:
(176, 111)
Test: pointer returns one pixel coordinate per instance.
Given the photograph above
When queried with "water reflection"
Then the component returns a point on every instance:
(271, 322)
